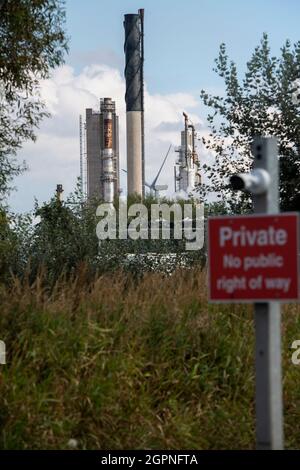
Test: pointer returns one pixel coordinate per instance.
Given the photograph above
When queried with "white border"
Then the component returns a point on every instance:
(252, 300)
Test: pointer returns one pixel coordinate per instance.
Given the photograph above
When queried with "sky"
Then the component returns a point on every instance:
(182, 40)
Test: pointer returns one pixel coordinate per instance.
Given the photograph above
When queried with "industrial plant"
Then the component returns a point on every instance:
(101, 145)
(99, 135)
(187, 168)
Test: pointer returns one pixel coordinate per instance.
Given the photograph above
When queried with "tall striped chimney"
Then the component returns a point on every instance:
(134, 97)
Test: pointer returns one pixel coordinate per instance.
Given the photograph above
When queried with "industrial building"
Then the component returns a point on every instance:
(187, 167)
(102, 151)
(99, 136)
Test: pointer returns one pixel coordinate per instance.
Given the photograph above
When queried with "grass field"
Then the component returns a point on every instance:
(128, 365)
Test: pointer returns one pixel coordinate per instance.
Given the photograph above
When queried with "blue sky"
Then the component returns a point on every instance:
(182, 39)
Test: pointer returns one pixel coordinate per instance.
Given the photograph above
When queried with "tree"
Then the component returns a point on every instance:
(262, 103)
(60, 238)
(32, 42)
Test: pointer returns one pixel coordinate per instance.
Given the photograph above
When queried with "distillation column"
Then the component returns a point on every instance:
(108, 169)
(187, 171)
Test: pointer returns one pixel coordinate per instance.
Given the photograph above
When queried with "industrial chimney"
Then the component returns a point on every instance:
(102, 151)
(108, 178)
(134, 64)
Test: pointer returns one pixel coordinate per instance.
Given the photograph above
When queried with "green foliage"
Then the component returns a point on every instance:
(141, 255)
(121, 364)
(57, 239)
(32, 42)
(60, 236)
(259, 104)
(8, 243)
(63, 238)
(216, 208)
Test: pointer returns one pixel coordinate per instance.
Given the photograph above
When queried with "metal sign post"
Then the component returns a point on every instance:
(269, 421)
(254, 258)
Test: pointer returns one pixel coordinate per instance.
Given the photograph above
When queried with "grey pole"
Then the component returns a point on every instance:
(269, 420)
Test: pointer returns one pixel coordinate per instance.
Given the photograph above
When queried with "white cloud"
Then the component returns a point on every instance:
(54, 158)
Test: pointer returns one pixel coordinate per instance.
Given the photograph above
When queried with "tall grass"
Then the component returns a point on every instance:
(124, 364)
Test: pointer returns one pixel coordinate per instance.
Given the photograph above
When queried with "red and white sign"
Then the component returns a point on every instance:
(253, 258)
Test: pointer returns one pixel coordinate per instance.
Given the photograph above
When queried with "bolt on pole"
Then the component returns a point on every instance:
(269, 415)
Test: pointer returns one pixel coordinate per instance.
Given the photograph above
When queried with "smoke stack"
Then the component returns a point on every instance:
(133, 47)
(59, 191)
(107, 109)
